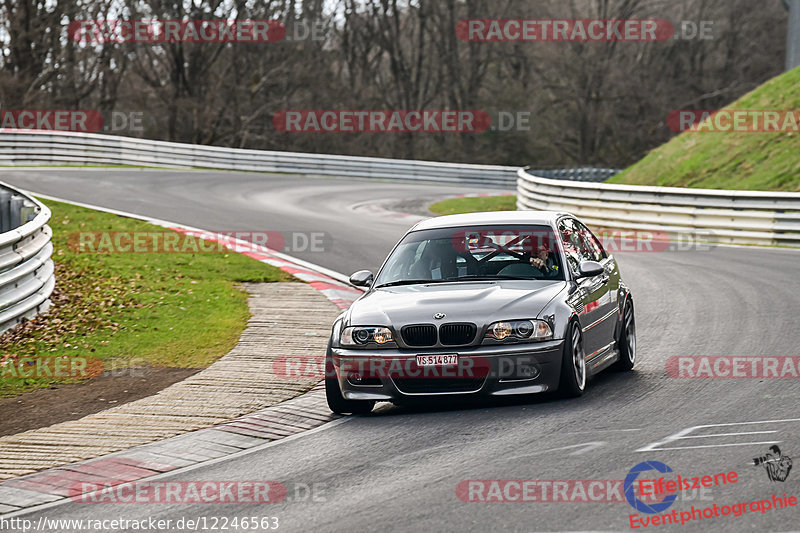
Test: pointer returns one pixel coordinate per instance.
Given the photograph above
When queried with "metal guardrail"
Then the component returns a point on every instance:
(26, 270)
(29, 147)
(54, 147)
(577, 174)
(722, 216)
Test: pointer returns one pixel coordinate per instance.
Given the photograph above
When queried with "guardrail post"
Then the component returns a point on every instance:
(793, 34)
(28, 212)
(5, 211)
(16, 212)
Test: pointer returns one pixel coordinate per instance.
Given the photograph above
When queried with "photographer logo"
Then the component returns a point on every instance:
(775, 463)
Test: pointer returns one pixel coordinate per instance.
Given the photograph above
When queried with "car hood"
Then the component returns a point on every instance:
(478, 302)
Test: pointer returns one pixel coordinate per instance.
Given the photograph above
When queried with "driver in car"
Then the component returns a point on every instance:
(542, 260)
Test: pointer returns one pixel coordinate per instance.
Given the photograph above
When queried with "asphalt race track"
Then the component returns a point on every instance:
(398, 469)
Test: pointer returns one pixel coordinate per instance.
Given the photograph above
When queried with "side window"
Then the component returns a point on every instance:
(571, 241)
(591, 247)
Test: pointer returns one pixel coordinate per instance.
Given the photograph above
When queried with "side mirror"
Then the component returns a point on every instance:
(362, 278)
(589, 269)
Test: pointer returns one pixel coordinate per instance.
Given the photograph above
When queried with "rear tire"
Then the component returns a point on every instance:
(336, 402)
(627, 340)
(573, 364)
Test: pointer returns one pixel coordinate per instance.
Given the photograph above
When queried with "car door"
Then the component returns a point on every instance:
(591, 291)
(608, 305)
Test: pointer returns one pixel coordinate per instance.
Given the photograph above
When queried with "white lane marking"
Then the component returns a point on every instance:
(593, 431)
(714, 445)
(729, 434)
(190, 468)
(404, 458)
(586, 447)
(684, 434)
(583, 448)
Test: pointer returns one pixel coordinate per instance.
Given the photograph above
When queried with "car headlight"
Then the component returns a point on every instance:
(362, 335)
(532, 329)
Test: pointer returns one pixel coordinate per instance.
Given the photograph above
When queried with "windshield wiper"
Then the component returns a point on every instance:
(488, 278)
(411, 282)
(452, 280)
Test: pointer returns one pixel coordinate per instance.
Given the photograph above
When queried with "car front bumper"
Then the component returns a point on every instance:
(499, 370)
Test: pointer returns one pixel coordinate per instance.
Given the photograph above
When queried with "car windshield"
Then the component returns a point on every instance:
(473, 254)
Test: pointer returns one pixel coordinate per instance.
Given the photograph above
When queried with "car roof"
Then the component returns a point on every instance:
(491, 218)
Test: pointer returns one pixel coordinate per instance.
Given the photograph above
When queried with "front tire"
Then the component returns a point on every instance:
(627, 340)
(336, 402)
(573, 364)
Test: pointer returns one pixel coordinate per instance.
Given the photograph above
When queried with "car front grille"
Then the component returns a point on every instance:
(457, 334)
(439, 385)
(419, 335)
(424, 335)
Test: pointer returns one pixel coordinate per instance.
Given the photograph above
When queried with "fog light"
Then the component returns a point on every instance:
(528, 371)
(354, 378)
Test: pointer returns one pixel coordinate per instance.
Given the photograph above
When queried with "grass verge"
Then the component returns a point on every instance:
(476, 204)
(116, 310)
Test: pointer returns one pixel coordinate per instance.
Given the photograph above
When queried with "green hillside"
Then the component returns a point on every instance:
(734, 160)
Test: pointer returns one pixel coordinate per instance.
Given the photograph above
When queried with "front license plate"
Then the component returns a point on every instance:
(437, 360)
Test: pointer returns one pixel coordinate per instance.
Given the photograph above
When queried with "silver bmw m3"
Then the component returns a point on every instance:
(482, 304)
